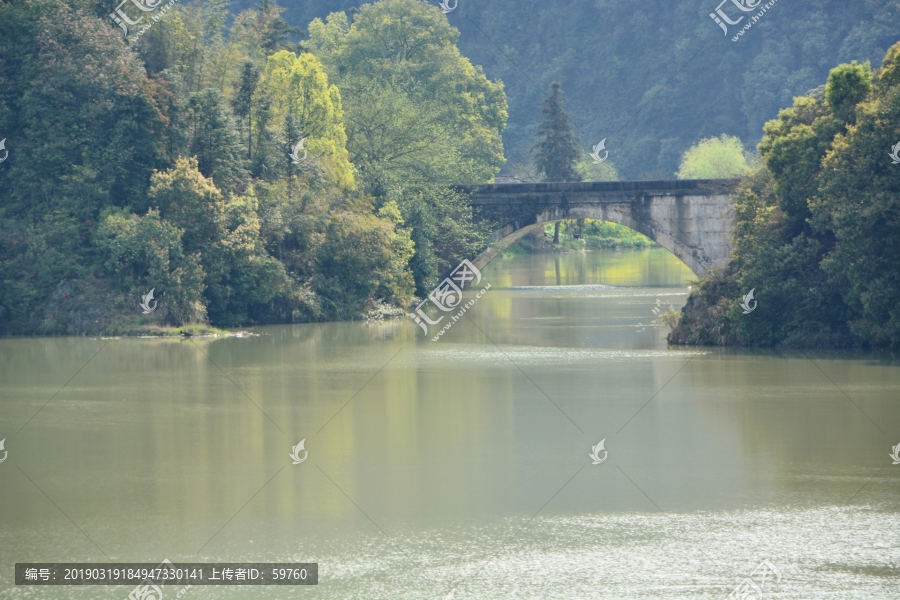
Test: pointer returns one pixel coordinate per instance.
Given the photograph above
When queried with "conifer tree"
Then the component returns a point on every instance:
(557, 149)
(242, 102)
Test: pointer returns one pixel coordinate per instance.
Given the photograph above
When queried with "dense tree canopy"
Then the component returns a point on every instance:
(818, 229)
(654, 77)
(171, 160)
(418, 116)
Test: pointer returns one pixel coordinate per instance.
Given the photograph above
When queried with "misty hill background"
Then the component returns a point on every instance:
(614, 59)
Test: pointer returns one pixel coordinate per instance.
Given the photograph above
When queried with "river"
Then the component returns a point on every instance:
(462, 466)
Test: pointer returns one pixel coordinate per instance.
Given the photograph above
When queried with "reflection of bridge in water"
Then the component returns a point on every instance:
(691, 218)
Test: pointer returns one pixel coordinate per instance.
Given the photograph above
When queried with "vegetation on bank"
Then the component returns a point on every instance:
(580, 234)
(168, 166)
(249, 177)
(818, 226)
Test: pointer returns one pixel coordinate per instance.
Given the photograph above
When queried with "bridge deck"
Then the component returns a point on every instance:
(594, 191)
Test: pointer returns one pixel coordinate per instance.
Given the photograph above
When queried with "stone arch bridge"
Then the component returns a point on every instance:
(691, 218)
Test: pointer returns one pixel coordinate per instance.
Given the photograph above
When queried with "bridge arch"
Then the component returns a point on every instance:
(693, 219)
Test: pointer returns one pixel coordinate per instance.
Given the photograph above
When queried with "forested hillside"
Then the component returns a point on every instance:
(257, 164)
(209, 160)
(817, 238)
(653, 77)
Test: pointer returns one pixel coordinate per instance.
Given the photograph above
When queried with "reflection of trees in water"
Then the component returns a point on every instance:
(786, 415)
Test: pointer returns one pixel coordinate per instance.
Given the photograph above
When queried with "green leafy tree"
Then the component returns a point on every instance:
(362, 256)
(246, 285)
(715, 158)
(273, 31)
(85, 130)
(243, 283)
(817, 229)
(146, 252)
(299, 89)
(418, 116)
(443, 231)
(859, 205)
(588, 170)
(793, 148)
(86, 138)
(847, 86)
(142, 181)
(191, 202)
(403, 53)
(213, 140)
(190, 44)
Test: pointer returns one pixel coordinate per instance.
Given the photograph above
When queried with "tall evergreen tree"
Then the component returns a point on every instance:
(274, 31)
(214, 141)
(242, 101)
(557, 151)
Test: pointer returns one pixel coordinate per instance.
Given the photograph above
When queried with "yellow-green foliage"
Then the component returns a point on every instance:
(189, 201)
(715, 158)
(298, 86)
(415, 107)
(170, 164)
(418, 116)
(591, 171)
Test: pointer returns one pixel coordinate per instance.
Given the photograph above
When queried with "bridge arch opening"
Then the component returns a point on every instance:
(691, 218)
(499, 244)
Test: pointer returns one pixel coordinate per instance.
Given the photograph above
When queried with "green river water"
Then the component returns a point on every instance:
(462, 466)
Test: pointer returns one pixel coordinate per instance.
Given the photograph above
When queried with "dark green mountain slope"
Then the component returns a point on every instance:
(654, 77)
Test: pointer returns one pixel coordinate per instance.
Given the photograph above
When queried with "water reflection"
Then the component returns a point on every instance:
(462, 463)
